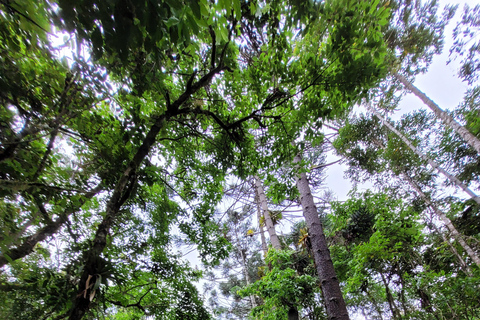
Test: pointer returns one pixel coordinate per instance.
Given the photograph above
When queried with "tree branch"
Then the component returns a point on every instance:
(29, 243)
(119, 194)
(41, 166)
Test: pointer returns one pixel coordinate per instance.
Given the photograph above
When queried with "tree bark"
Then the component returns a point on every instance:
(292, 311)
(260, 226)
(445, 117)
(332, 295)
(446, 221)
(266, 214)
(432, 163)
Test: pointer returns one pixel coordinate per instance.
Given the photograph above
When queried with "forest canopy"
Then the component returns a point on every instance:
(167, 160)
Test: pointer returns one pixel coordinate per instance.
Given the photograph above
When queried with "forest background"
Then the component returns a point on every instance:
(179, 127)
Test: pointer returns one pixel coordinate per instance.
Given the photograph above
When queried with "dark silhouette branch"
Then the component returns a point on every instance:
(47, 153)
(137, 304)
(28, 243)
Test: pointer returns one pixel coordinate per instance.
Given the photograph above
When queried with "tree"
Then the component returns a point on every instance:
(399, 164)
(108, 155)
(266, 214)
(417, 35)
(240, 269)
(456, 154)
(332, 295)
(432, 163)
(125, 139)
(284, 290)
(377, 239)
(445, 117)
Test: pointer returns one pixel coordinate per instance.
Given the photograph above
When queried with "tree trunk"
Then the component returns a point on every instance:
(446, 221)
(445, 117)
(332, 295)
(432, 163)
(244, 265)
(260, 226)
(462, 262)
(391, 301)
(293, 311)
(266, 215)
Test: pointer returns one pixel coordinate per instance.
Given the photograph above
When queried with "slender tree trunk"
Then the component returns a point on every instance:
(266, 215)
(375, 304)
(432, 163)
(462, 262)
(334, 303)
(402, 293)
(445, 117)
(391, 301)
(260, 226)
(425, 302)
(244, 265)
(446, 221)
(293, 311)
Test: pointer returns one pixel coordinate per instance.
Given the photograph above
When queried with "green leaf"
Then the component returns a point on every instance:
(196, 9)
(237, 9)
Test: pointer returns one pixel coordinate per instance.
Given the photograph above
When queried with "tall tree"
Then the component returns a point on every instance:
(475, 258)
(380, 236)
(399, 164)
(110, 172)
(332, 294)
(266, 214)
(444, 116)
(431, 162)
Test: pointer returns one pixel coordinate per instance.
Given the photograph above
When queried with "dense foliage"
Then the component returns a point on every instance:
(138, 135)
